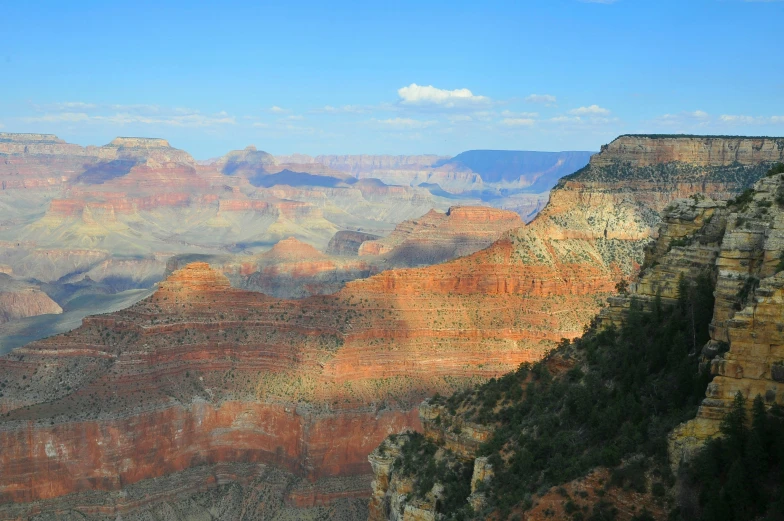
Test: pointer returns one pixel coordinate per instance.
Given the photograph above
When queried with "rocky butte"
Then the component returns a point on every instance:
(205, 396)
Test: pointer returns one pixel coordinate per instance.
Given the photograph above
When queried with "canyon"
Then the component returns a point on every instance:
(203, 391)
(88, 223)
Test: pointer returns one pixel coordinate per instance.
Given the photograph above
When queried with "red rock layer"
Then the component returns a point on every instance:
(204, 373)
(463, 229)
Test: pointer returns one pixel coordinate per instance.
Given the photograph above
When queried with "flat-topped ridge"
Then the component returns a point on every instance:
(700, 151)
(694, 136)
(29, 138)
(139, 142)
(482, 214)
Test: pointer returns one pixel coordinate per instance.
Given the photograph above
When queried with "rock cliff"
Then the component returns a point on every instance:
(734, 243)
(20, 300)
(746, 333)
(347, 242)
(437, 237)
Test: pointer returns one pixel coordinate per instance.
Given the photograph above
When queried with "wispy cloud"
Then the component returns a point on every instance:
(401, 123)
(345, 109)
(428, 95)
(460, 118)
(594, 110)
(751, 120)
(696, 117)
(704, 122)
(60, 117)
(276, 110)
(545, 99)
(73, 105)
(192, 119)
(510, 114)
(518, 122)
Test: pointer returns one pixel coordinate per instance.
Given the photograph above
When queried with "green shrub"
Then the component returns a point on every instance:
(738, 476)
(778, 168)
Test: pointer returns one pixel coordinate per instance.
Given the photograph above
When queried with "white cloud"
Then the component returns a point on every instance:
(277, 109)
(295, 117)
(405, 123)
(428, 95)
(546, 99)
(518, 122)
(594, 110)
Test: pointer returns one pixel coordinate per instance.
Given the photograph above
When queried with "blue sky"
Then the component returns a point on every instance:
(390, 77)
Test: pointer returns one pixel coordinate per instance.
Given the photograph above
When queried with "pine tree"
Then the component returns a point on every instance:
(736, 491)
(734, 427)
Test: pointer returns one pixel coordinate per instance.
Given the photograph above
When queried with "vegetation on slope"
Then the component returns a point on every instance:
(742, 176)
(738, 476)
(614, 407)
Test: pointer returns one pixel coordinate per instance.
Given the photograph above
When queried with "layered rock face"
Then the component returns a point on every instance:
(20, 300)
(347, 242)
(239, 377)
(699, 151)
(746, 333)
(741, 245)
(437, 237)
(293, 269)
(638, 176)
